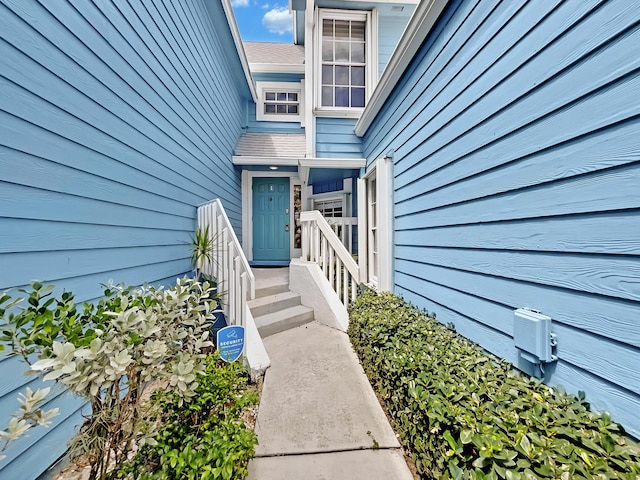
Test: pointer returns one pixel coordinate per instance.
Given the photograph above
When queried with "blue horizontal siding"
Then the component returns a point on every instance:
(255, 126)
(516, 172)
(390, 28)
(335, 138)
(116, 120)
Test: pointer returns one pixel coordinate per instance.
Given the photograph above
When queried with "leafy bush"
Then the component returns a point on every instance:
(110, 353)
(465, 415)
(205, 438)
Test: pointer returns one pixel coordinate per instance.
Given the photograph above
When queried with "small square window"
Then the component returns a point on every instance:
(279, 104)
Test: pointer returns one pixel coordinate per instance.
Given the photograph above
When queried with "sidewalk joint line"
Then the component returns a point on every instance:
(320, 452)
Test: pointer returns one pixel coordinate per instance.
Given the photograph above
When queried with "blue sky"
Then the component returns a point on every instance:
(263, 20)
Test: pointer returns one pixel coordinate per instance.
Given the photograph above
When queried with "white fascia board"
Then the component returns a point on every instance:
(422, 21)
(237, 40)
(338, 163)
(276, 68)
(246, 160)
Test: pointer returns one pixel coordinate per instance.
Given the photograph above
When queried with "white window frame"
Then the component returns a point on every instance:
(382, 172)
(370, 17)
(331, 197)
(289, 87)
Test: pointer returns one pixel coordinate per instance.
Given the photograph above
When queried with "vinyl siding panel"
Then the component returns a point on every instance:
(390, 28)
(335, 138)
(516, 173)
(116, 120)
(256, 126)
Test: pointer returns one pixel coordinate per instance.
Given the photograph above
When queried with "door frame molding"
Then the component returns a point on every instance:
(247, 209)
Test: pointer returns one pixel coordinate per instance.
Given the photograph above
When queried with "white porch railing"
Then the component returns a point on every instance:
(321, 245)
(230, 268)
(343, 228)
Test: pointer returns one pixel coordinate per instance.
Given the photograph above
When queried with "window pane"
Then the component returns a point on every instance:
(342, 75)
(342, 29)
(357, 53)
(270, 96)
(342, 96)
(357, 76)
(357, 97)
(282, 97)
(357, 31)
(293, 97)
(293, 109)
(327, 28)
(327, 75)
(282, 109)
(342, 51)
(327, 96)
(327, 51)
(269, 108)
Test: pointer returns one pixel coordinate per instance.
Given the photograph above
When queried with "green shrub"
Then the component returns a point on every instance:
(204, 438)
(465, 415)
(109, 354)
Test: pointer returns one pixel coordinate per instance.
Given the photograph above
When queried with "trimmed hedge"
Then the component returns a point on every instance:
(465, 415)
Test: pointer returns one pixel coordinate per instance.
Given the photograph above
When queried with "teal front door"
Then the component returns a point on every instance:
(271, 219)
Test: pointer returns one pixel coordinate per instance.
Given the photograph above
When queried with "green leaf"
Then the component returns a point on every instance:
(466, 436)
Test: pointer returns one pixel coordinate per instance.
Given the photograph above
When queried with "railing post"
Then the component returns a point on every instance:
(237, 320)
(243, 298)
(305, 241)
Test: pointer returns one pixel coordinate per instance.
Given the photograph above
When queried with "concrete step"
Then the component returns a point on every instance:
(273, 303)
(286, 319)
(272, 289)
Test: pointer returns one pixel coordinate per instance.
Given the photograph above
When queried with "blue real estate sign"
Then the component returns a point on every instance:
(231, 343)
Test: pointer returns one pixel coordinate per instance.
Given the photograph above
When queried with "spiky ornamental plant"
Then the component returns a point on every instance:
(202, 244)
(110, 353)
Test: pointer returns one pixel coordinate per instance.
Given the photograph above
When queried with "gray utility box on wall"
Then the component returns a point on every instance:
(532, 336)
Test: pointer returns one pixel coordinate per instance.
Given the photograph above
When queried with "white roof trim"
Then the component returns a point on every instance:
(339, 163)
(422, 21)
(277, 68)
(336, 163)
(280, 161)
(235, 33)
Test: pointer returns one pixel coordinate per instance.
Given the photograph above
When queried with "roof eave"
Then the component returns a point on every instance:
(420, 25)
(276, 68)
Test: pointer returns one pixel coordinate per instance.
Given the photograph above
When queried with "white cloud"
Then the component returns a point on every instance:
(239, 3)
(278, 20)
(266, 6)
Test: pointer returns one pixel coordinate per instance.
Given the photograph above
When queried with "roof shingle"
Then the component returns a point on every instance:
(279, 53)
(272, 145)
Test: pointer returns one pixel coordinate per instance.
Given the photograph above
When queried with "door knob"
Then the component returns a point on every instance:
(286, 228)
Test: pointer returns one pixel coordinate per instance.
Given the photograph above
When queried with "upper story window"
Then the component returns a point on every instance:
(346, 70)
(279, 102)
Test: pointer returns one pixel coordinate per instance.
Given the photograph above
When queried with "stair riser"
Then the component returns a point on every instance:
(275, 306)
(272, 290)
(285, 324)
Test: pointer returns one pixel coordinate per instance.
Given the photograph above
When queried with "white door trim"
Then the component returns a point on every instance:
(247, 209)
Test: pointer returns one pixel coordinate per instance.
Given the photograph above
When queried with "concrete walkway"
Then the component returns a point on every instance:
(319, 418)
